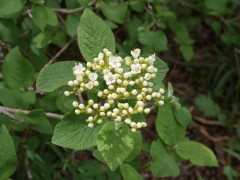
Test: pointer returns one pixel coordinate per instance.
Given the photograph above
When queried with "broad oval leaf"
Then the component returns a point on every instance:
(163, 164)
(17, 71)
(183, 116)
(94, 35)
(162, 70)
(167, 126)
(114, 144)
(8, 157)
(129, 173)
(114, 12)
(55, 75)
(10, 8)
(137, 146)
(74, 133)
(197, 153)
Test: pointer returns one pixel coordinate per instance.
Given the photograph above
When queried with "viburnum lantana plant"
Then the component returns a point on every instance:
(124, 78)
(111, 97)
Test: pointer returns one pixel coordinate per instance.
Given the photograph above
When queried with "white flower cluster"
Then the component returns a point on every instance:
(126, 80)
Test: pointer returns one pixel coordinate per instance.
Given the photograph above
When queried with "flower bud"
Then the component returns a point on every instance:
(77, 111)
(75, 104)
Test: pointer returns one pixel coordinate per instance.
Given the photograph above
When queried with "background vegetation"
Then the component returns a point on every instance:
(199, 40)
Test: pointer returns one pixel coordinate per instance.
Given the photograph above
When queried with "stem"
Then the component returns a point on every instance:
(71, 11)
(8, 112)
(60, 52)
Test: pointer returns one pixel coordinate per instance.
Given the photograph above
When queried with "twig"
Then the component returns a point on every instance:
(60, 52)
(208, 122)
(7, 111)
(1, 76)
(70, 11)
(212, 138)
(67, 11)
(80, 97)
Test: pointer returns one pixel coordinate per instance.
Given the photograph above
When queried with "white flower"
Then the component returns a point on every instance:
(109, 78)
(150, 69)
(93, 76)
(89, 85)
(151, 59)
(135, 68)
(147, 76)
(115, 61)
(78, 69)
(135, 53)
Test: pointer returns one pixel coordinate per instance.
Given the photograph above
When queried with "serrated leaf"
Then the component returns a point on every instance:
(114, 12)
(162, 164)
(17, 71)
(183, 116)
(137, 146)
(74, 133)
(55, 75)
(114, 144)
(10, 8)
(94, 35)
(8, 157)
(197, 153)
(129, 173)
(168, 129)
(162, 70)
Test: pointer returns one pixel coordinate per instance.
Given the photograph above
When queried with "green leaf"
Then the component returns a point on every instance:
(206, 105)
(98, 156)
(8, 157)
(55, 75)
(129, 173)
(74, 133)
(11, 98)
(137, 146)
(167, 127)
(10, 8)
(218, 7)
(162, 70)
(94, 35)
(39, 122)
(183, 116)
(17, 71)
(115, 145)
(156, 40)
(182, 35)
(9, 31)
(187, 52)
(197, 153)
(71, 25)
(42, 40)
(43, 16)
(163, 164)
(114, 12)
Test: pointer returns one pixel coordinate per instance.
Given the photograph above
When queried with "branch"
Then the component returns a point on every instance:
(8, 112)
(70, 11)
(60, 52)
(67, 11)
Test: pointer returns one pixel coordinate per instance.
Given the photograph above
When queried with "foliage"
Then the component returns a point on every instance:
(36, 33)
